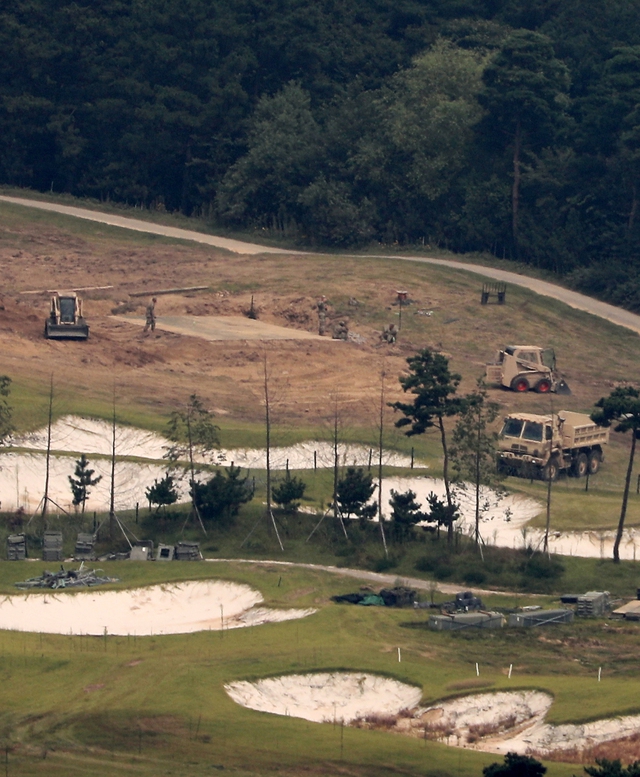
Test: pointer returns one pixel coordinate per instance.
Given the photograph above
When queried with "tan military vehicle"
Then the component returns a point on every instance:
(544, 445)
(65, 321)
(524, 367)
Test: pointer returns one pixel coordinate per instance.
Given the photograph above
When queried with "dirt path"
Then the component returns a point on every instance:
(374, 577)
(573, 299)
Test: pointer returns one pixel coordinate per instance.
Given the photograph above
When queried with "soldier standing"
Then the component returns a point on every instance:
(151, 316)
(322, 307)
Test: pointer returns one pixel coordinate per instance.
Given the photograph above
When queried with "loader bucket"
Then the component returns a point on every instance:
(562, 387)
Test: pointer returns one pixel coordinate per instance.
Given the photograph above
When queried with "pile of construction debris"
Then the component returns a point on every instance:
(67, 578)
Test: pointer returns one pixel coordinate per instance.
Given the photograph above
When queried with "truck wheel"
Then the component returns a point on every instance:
(593, 464)
(543, 386)
(580, 465)
(520, 384)
(550, 470)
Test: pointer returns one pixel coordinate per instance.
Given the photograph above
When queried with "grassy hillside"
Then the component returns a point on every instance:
(156, 705)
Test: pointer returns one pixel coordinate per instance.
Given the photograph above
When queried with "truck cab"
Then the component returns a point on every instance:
(532, 445)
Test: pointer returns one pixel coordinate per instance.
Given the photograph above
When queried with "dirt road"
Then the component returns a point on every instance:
(374, 577)
(573, 299)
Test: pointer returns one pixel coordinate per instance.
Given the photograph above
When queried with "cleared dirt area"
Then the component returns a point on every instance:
(157, 371)
(226, 328)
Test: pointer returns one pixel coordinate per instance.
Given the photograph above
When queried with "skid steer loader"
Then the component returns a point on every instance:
(524, 367)
(66, 321)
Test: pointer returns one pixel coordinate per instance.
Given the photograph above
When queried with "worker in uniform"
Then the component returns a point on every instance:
(150, 323)
(390, 334)
(341, 331)
(322, 307)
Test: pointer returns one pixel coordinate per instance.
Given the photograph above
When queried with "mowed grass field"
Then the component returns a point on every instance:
(157, 705)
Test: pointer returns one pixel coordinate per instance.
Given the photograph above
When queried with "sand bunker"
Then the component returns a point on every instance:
(322, 697)
(503, 516)
(22, 475)
(508, 721)
(514, 722)
(177, 608)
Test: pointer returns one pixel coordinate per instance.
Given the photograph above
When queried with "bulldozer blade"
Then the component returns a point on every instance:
(563, 387)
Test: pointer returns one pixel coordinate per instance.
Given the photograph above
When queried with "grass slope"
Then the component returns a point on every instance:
(156, 705)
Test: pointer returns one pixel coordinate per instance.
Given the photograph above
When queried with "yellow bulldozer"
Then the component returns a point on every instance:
(65, 321)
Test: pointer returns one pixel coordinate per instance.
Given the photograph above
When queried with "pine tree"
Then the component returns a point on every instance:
(82, 482)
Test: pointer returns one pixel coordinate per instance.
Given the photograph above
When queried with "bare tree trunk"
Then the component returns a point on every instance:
(380, 447)
(625, 498)
(45, 499)
(112, 494)
(337, 515)
(477, 485)
(192, 479)
(549, 483)
(267, 420)
(445, 473)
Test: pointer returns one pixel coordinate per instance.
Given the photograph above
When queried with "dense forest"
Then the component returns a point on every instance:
(507, 126)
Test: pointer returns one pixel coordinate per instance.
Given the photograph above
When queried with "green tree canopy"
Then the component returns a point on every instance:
(353, 493)
(526, 98)
(613, 768)
(82, 481)
(289, 492)
(434, 387)
(405, 513)
(515, 766)
(220, 498)
(163, 492)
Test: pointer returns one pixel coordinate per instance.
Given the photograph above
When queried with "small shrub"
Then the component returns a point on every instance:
(383, 564)
(474, 577)
(425, 564)
(443, 572)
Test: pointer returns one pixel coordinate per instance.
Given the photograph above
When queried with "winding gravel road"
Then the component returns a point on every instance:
(573, 299)
(362, 574)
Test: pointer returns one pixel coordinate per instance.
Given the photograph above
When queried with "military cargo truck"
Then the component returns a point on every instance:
(544, 445)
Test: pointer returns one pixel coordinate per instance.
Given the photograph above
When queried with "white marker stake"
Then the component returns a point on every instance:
(399, 658)
(599, 673)
(477, 670)
(510, 668)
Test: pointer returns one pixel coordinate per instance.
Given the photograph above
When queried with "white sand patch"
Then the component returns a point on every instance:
(22, 477)
(503, 516)
(176, 608)
(461, 722)
(301, 456)
(547, 740)
(500, 511)
(474, 721)
(502, 722)
(330, 696)
(91, 436)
